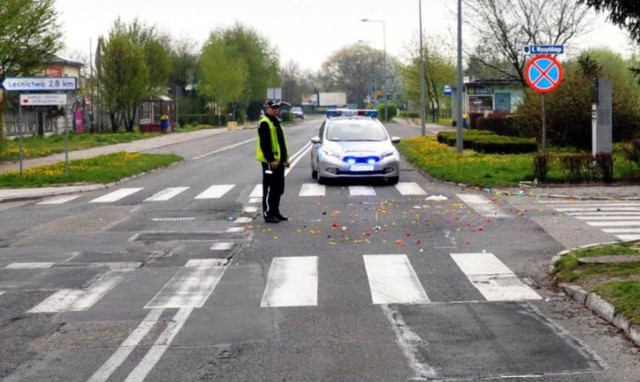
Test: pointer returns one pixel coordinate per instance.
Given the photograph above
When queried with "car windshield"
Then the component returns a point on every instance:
(355, 130)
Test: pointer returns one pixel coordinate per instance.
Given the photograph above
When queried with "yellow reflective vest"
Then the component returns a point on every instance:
(275, 145)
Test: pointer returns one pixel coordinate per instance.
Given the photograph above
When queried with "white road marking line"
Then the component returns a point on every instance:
(255, 200)
(116, 195)
(221, 246)
(410, 188)
(191, 286)
(628, 237)
(393, 280)
(166, 194)
(215, 192)
(493, 278)
(243, 220)
(313, 189)
(59, 199)
(257, 192)
(224, 148)
(2, 292)
(628, 223)
(361, 191)
(160, 346)
(27, 265)
(610, 213)
(127, 346)
(482, 205)
(250, 210)
(621, 230)
(75, 300)
(603, 208)
(606, 217)
(291, 281)
(564, 203)
(235, 230)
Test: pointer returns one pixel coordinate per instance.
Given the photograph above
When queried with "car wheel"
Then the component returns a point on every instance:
(393, 180)
(314, 174)
(321, 179)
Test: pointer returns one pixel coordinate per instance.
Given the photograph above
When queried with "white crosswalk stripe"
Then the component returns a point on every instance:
(410, 188)
(291, 281)
(313, 189)
(621, 219)
(166, 194)
(215, 192)
(393, 281)
(116, 195)
(482, 205)
(362, 191)
(59, 199)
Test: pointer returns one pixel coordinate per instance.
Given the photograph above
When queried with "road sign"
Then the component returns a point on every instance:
(43, 99)
(543, 74)
(34, 84)
(447, 90)
(543, 49)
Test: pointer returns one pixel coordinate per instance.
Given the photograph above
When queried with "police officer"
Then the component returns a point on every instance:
(271, 151)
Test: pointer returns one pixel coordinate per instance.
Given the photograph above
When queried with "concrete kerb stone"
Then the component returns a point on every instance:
(596, 303)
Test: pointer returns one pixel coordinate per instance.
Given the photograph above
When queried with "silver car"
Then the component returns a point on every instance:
(354, 144)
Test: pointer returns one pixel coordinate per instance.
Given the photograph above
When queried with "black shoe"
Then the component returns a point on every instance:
(271, 219)
(281, 217)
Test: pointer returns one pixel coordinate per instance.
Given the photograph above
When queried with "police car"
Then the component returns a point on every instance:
(354, 144)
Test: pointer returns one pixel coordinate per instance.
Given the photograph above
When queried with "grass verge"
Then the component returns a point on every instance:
(617, 283)
(101, 169)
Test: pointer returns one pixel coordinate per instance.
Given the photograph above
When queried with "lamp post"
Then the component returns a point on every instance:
(422, 111)
(459, 145)
(384, 64)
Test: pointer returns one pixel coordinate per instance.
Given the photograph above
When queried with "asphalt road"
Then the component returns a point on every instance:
(177, 278)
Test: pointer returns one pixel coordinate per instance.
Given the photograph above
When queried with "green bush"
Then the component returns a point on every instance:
(392, 111)
(500, 124)
(577, 167)
(410, 114)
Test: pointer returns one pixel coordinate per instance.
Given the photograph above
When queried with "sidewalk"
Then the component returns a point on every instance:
(141, 145)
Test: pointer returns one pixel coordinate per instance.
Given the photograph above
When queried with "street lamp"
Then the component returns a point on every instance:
(384, 65)
(422, 111)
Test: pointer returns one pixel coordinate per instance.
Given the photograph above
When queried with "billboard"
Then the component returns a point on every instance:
(332, 99)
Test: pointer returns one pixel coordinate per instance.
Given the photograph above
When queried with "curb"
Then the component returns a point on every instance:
(596, 303)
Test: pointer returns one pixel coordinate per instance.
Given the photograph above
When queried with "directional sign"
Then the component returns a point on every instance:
(40, 84)
(43, 99)
(543, 74)
(543, 49)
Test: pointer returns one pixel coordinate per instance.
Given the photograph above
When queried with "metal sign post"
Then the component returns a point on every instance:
(543, 74)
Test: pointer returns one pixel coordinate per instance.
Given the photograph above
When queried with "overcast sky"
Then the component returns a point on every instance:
(305, 31)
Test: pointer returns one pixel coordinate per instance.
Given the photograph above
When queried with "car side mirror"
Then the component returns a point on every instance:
(395, 139)
(316, 140)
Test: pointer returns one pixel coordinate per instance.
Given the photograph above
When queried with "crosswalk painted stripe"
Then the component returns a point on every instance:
(393, 280)
(291, 281)
(628, 237)
(2, 292)
(250, 209)
(166, 194)
(222, 246)
(116, 195)
(598, 209)
(564, 203)
(32, 265)
(410, 188)
(610, 213)
(361, 191)
(59, 199)
(628, 223)
(313, 189)
(215, 192)
(600, 217)
(190, 286)
(75, 300)
(127, 346)
(621, 230)
(256, 192)
(493, 278)
(243, 220)
(482, 205)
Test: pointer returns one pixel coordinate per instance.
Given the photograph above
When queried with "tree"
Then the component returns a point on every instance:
(291, 82)
(123, 75)
(439, 70)
(624, 13)
(355, 69)
(223, 74)
(505, 26)
(29, 35)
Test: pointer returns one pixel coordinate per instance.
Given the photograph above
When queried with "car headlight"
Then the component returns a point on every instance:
(388, 154)
(329, 153)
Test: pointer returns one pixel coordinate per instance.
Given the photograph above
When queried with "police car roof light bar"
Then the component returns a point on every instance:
(372, 113)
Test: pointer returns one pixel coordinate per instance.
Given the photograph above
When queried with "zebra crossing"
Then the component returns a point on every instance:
(294, 282)
(619, 218)
(479, 203)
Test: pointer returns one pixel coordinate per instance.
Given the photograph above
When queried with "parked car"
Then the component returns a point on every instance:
(354, 144)
(297, 112)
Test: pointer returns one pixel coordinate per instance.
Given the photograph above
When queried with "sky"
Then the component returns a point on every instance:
(304, 31)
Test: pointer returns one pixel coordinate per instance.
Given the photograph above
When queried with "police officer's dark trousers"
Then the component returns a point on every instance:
(272, 189)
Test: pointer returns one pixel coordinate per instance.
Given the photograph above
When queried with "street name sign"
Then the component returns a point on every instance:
(543, 74)
(43, 99)
(40, 84)
(543, 49)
